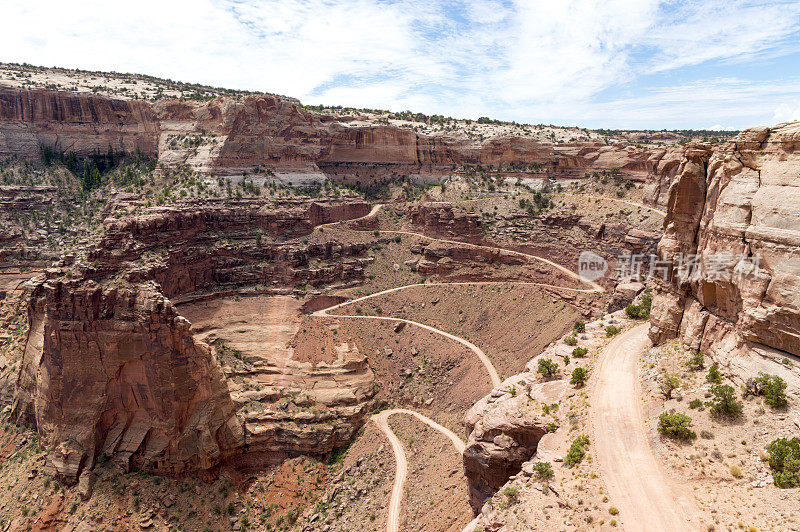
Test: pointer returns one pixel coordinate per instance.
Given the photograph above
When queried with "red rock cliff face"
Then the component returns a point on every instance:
(233, 136)
(738, 208)
(81, 123)
(116, 372)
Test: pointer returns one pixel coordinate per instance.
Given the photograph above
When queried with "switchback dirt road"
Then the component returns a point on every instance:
(647, 500)
(401, 468)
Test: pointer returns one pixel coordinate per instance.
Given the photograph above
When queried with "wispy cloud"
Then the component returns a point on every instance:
(617, 63)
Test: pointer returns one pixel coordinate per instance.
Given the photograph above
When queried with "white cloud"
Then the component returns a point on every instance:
(786, 112)
(566, 61)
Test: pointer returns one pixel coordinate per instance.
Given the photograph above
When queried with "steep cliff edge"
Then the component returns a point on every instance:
(81, 123)
(270, 134)
(115, 372)
(737, 209)
(111, 369)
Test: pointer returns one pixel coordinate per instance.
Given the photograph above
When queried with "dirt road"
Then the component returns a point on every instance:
(645, 497)
(401, 468)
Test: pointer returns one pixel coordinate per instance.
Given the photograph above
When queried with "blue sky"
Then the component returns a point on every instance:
(611, 63)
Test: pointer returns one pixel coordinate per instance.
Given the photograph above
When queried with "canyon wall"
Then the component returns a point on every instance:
(256, 134)
(110, 368)
(82, 123)
(115, 372)
(737, 209)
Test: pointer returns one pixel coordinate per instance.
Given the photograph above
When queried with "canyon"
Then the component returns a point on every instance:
(259, 134)
(279, 308)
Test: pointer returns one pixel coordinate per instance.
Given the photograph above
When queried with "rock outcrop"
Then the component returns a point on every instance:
(110, 368)
(730, 233)
(81, 123)
(270, 135)
(499, 439)
(114, 371)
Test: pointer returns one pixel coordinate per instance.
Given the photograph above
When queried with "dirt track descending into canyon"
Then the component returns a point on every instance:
(647, 500)
(381, 419)
(401, 469)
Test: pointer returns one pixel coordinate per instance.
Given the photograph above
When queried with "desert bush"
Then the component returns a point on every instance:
(695, 403)
(642, 310)
(784, 461)
(543, 470)
(571, 340)
(773, 388)
(579, 327)
(611, 330)
(676, 425)
(576, 451)
(511, 494)
(714, 376)
(724, 402)
(547, 368)
(579, 377)
(697, 362)
(579, 352)
(613, 510)
(668, 385)
(736, 471)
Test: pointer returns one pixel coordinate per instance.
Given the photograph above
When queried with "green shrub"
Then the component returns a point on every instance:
(695, 403)
(667, 385)
(714, 376)
(511, 494)
(547, 368)
(773, 388)
(724, 402)
(642, 310)
(784, 461)
(579, 377)
(543, 470)
(676, 425)
(576, 451)
(579, 327)
(571, 340)
(634, 312)
(613, 510)
(611, 330)
(579, 352)
(697, 362)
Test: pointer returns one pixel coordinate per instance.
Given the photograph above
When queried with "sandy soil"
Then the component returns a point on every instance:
(724, 468)
(646, 499)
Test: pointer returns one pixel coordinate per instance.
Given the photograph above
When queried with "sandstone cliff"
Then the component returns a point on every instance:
(110, 368)
(736, 208)
(81, 123)
(260, 134)
(114, 371)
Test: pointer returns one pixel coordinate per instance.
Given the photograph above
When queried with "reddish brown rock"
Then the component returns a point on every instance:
(81, 123)
(736, 207)
(115, 371)
(254, 133)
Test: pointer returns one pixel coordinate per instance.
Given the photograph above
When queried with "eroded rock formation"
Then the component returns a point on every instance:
(115, 371)
(82, 123)
(111, 368)
(256, 134)
(736, 208)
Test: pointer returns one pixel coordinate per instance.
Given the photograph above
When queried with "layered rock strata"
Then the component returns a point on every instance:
(731, 232)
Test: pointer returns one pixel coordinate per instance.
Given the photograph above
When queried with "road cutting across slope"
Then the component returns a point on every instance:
(381, 419)
(618, 423)
(401, 468)
(646, 498)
